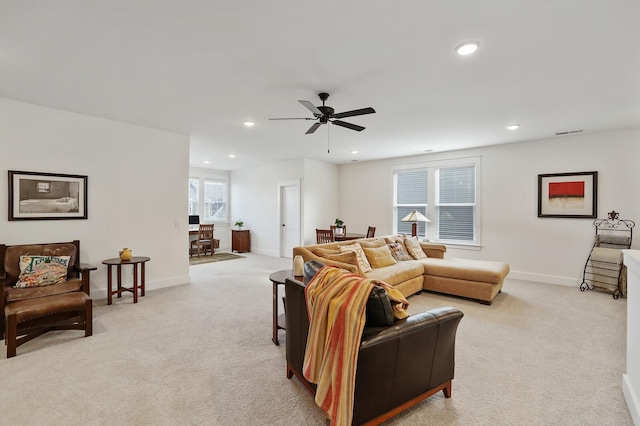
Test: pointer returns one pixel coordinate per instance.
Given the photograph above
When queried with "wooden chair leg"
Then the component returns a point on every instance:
(88, 318)
(11, 335)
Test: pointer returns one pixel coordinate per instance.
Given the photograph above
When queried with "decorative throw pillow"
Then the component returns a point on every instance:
(397, 251)
(322, 252)
(379, 257)
(349, 257)
(39, 271)
(414, 248)
(363, 264)
(372, 244)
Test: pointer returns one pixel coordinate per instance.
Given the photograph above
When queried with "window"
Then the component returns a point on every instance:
(208, 199)
(215, 201)
(194, 196)
(446, 193)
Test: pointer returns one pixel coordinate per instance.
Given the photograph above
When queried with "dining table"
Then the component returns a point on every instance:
(348, 236)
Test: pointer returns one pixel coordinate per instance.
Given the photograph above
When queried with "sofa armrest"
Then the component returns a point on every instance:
(308, 255)
(434, 250)
(84, 269)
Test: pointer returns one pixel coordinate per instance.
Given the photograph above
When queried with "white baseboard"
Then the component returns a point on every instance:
(545, 279)
(101, 293)
(632, 399)
(265, 252)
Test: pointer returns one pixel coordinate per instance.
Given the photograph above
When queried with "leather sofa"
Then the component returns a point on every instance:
(476, 279)
(398, 365)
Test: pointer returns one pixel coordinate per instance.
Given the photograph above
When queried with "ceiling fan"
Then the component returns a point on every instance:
(325, 114)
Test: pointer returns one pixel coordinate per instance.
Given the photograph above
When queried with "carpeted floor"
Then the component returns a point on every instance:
(216, 257)
(201, 354)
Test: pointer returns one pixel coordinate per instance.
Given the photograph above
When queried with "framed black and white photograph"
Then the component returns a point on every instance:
(570, 195)
(46, 196)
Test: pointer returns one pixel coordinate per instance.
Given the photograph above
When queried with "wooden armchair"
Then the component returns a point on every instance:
(324, 236)
(43, 298)
(205, 240)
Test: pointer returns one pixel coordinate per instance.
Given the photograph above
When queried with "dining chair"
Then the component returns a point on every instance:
(204, 240)
(371, 232)
(324, 236)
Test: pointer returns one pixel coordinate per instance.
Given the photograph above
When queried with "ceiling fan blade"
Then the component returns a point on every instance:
(312, 128)
(355, 112)
(311, 107)
(348, 125)
(293, 118)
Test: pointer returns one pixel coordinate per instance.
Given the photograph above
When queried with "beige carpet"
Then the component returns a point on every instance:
(216, 257)
(201, 354)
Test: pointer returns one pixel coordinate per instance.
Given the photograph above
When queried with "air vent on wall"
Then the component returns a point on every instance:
(569, 132)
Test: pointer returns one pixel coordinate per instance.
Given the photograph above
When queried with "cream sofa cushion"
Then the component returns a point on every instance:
(363, 263)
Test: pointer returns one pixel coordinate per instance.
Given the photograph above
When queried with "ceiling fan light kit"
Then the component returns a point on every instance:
(326, 114)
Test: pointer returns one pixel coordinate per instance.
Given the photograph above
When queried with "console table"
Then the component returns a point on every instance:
(135, 261)
(240, 240)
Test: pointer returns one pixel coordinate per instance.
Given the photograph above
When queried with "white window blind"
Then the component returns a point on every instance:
(411, 194)
(456, 203)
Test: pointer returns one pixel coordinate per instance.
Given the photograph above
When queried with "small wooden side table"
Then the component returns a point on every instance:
(278, 278)
(135, 261)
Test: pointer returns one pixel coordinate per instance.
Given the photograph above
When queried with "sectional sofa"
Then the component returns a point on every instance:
(476, 279)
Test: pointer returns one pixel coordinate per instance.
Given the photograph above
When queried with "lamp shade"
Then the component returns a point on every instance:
(415, 216)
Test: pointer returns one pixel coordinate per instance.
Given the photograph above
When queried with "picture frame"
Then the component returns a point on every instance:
(47, 196)
(568, 195)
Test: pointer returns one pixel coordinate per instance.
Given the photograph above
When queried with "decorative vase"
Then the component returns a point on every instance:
(125, 254)
(298, 266)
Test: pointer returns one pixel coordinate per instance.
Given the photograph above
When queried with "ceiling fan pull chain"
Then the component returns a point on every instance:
(328, 138)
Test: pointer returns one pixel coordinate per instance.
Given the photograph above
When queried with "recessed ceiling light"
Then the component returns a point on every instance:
(206, 161)
(467, 48)
(513, 126)
(232, 156)
(354, 151)
(249, 123)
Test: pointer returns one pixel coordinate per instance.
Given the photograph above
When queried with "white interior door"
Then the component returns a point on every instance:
(289, 219)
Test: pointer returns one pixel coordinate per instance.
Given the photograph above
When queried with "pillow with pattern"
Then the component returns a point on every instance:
(363, 263)
(414, 248)
(39, 271)
(397, 251)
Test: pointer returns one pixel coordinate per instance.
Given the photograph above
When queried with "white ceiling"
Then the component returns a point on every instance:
(202, 67)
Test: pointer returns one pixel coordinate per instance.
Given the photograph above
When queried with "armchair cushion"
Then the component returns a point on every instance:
(40, 271)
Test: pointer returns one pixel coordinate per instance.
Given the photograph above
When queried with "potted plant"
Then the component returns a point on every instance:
(239, 224)
(339, 225)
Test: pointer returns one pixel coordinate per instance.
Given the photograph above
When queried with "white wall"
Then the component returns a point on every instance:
(540, 249)
(321, 201)
(221, 231)
(254, 199)
(137, 188)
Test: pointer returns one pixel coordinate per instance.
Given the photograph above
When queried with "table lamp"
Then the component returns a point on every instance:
(415, 217)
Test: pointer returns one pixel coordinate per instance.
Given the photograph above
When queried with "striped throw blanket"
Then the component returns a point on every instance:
(336, 302)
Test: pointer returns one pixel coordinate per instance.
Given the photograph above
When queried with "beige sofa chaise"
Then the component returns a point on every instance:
(475, 279)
